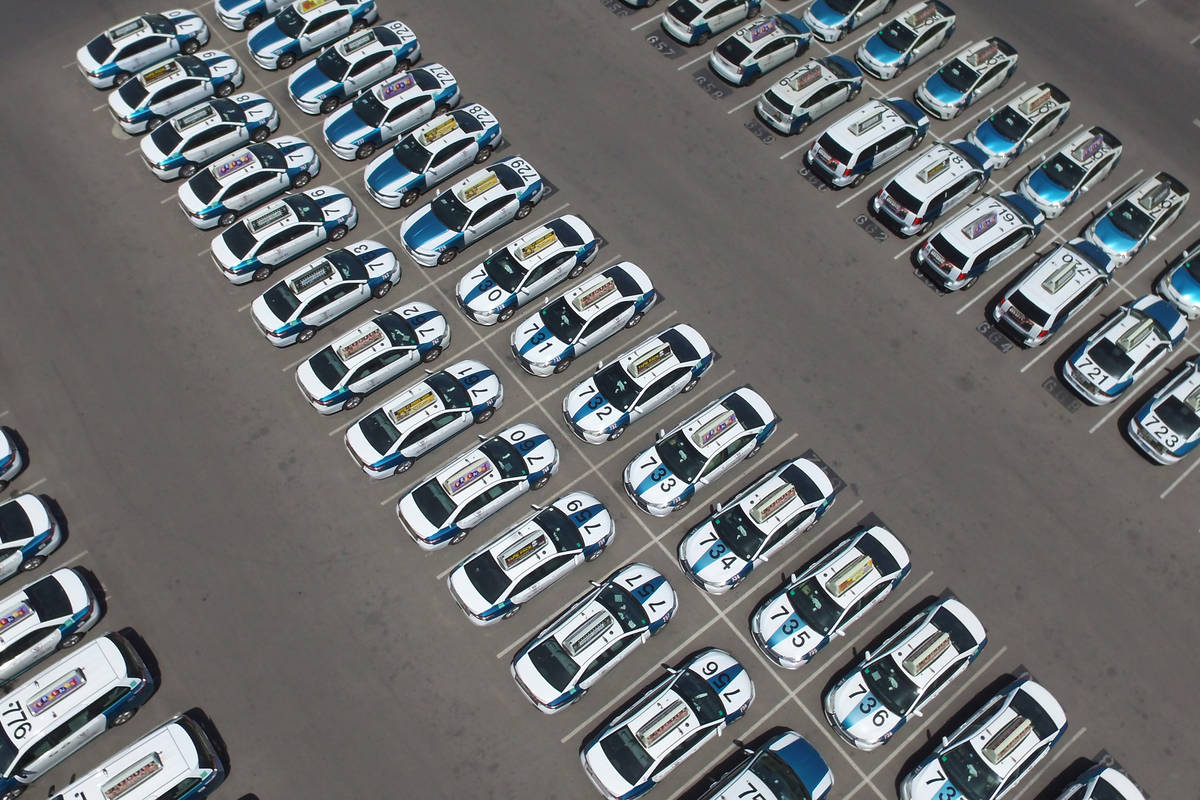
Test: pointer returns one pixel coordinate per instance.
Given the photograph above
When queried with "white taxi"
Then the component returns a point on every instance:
(978, 238)
(866, 139)
(443, 508)
(930, 185)
(756, 49)
(29, 531)
(11, 460)
(1167, 426)
(305, 26)
(694, 21)
(157, 92)
(195, 136)
(831, 20)
(112, 57)
(784, 767)
(242, 15)
(1031, 116)
(1138, 217)
(973, 72)
(351, 65)
(1083, 161)
(1103, 781)
(915, 33)
(809, 93)
(50, 614)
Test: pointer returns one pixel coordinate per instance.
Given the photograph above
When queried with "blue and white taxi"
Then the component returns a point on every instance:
(831, 20)
(915, 33)
(978, 238)
(759, 47)
(1083, 161)
(784, 767)
(671, 719)
(1180, 283)
(638, 381)
(50, 614)
(197, 135)
(388, 439)
(1138, 217)
(577, 648)
(216, 195)
(389, 109)
(157, 92)
(1102, 782)
(352, 64)
(1052, 290)
(1167, 426)
(757, 523)
(973, 72)
(472, 208)
(112, 57)
(523, 269)
(809, 93)
(874, 699)
(323, 290)
(11, 461)
(930, 185)
(866, 139)
(443, 508)
(1124, 347)
(664, 477)
(242, 15)
(793, 623)
(494, 582)
(278, 232)
(432, 153)
(29, 532)
(336, 377)
(1031, 116)
(990, 752)
(581, 318)
(694, 21)
(305, 26)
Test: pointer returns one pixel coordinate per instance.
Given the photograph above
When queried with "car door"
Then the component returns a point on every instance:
(1160, 350)
(776, 52)
(139, 52)
(827, 98)
(406, 116)
(333, 302)
(490, 216)
(926, 43)
(867, 10)
(989, 81)
(721, 461)
(682, 751)
(859, 606)
(603, 325)
(207, 143)
(382, 368)
(544, 276)
(1008, 245)
(322, 29)
(543, 575)
(605, 660)
(180, 94)
(253, 188)
(724, 14)
(293, 240)
(891, 146)
(660, 391)
(450, 160)
(368, 70)
(479, 508)
(432, 432)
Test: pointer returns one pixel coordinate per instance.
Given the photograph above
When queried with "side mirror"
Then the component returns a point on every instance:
(1083, 188)
(866, 655)
(713, 508)
(945, 741)
(662, 434)
(428, 371)
(841, 632)
(545, 301)
(1154, 237)
(594, 583)
(1108, 204)
(669, 668)
(917, 711)
(535, 506)
(599, 366)
(376, 311)
(482, 438)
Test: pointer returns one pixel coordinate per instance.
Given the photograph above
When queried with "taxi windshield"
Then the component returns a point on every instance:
(1130, 221)
(898, 37)
(504, 270)
(281, 300)
(450, 211)
(966, 770)
(433, 502)
(778, 777)
(1063, 171)
(1178, 416)
(369, 109)
(289, 22)
(1009, 124)
(626, 755)
(699, 694)
(814, 605)
(680, 456)
(506, 458)
(614, 385)
(958, 75)
(397, 329)
(889, 683)
(378, 430)
(332, 65)
(1110, 358)
(738, 532)
(411, 155)
(562, 320)
(133, 92)
(560, 529)
(8, 752)
(448, 389)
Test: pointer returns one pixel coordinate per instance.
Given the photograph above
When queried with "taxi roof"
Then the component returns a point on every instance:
(1089, 144)
(938, 167)
(650, 360)
(917, 17)
(976, 55)
(594, 294)
(1037, 100)
(1061, 275)
(152, 765)
(1157, 196)
(1018, 729)
(868, 124)
(980, 224)
(480, 188)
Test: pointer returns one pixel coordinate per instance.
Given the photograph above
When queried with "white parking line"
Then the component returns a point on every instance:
(34, 485)
(742, 105)
(1116, 406)
(296, 363)
(4, 413)
(100, 107)
(68, 65)
(869, 186)
(73, 559)
(1195, 463)
(687, 64)
(1032, 777)
(795, 150)
(168, 199)
(655, 18)
(134, 151)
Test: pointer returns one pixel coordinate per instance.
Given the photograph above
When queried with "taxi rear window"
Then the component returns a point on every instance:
(880, 555)
(834, 149)
(1032, 311)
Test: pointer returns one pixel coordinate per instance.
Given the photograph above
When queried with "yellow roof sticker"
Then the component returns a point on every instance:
(983, 54)
(724, 421)
(468, 475)
(160, 72)
(589, 298)
(926, 653)
(308, 5)
(132, 777)
(63, 687)
(650, 360)
(480, 186)
(663, 723)
(773, 503)
(849, 575)
(523, 549)
(368, 339)
(537, 245)
(930, 172)
(586, 634)
(270, 218)
(439, 130)
(978, 227)
(305, 281)
(412, 406)
(1003, 743)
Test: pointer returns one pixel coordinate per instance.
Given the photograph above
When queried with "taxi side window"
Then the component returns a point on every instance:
(604, 318)
(892, 139)
(179, 790)
(866, 600)
(776, 46)
(823, 94)
(722, 8)
(175, 91)
(329, 295)
(284, 236)
(450, 152)
(99, 705)
(367, 63)
(482, 500)
(537, 273)
(428, 428)
(407, 107)
(542, 571)
(324, 21)
(209, 136)
(252, 181)
(139, 47)
(490, 209)
(603, 658)
(660, 385)
(993, 73)
(927, 36)
(938, 682)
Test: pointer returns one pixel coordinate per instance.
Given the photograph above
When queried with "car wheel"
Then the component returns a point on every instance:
(403, 466)
(3, 485)
(359, 25)
(123, 717)
(917, 142)
(253, 21)
(858, 179)
(409, 197)
(262, 273)
(224, 90)
(32, 563)
(306, 335)
(540, 482)
(338, 233)
(754, 452)
(187, 170)
(484, 416)
(458, 537)
(799, 127)
(330, 104)
(754, 12)
(285, 61)
(506, 314)
(301, 180)
(592, 556)
(1028, 241)
(635, 319)
(1004, 82)
(191, 47)
(382, 289)
(120, 78)
(888, 7)
(854, 90)
(701, 40)
(841, 34)
(153, 123)
(260, 134)
(352, 402)
(681, 504)
(690, 385)
(431, 354)
(13, 793)
(71, 641)
(577, 270)
(616, 433)
(402, 65)
(970, 282)
(484, 154)
(562, 366)
(446, 256)
(227, 219)
(512, 612)
(523, 211)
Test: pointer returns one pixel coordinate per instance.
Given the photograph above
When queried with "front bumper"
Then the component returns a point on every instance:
(1083, 387)
(936, 107)
(1148, 445)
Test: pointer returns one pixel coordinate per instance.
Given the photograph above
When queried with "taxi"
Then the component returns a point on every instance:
(758, 48)
(930, 185)
(112, 57)
(193, 137)
(389, 109)
(1082, 162)
(866, 139)
(694, 21)
(29, 531)
(11, 461)
(323, 290)
(671, 719)
(915, 33)
(388, 439)
(1052, 290)
(757, 523)
(1167, 426)
(1103, 781)
(432, 153)
(973, 72)
(1126, 346)
(351, 65)
(637, 382)
(217, 195)
(336, 377)
(584, 316)
(831, 20)
(50, 614)
(591, 636)
(279, 231)
(664, 477)
(1180, 282)
(809, 93)
(891, 684)
(1036, 113)
(443, 508)
(1138, 217)
(529, 557)
(784, 767)
(157, 92)
(243, 15)
(989, 753)
(472, 208)
(793, 623)
(523, 269)
(978, 238)
(305, 26)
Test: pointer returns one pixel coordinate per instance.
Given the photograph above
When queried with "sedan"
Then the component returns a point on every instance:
(305, 26)
(1167, 426)
(351, 65)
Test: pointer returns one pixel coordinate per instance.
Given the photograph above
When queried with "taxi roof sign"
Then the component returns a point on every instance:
(309, 5)
(933, 170)
(663, 723)
(524, 549)
(978, 227)
(805, 77)
(1003, 743)
(925, 15)
(132, 777)
(160, 72)
(589, 298)
(537, 245)
(268, 219)
(1192, 401)
(587, 633)
(392, 88)
(752, 33)
(773, 503)
(359, 42)
(467, 476)
(866, 123)
(480, 186)
(412, 406)
(984, 54)
(650, 360)
(13, 616)
(1156, 196)
(439, 130)
(725, 420)
(368, 339)
(121, 31)
(926, 653)
(1135, 335)
(63, 687)
(1035, 104)
(849, 575)
(199, 115)
(227, 168)
(1088, 148)
(1059, 278)
(305, 281)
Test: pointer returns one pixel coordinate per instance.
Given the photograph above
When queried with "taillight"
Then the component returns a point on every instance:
(1043, 334)
(916, 221)
(845, 172)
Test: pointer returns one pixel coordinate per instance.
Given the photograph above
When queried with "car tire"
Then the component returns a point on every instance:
(682, 504)
(262, 273)
(635, 319)
(227, 219)
(301, 180)
(577, 270)
(402, 65)
(799, 128)
(352, 402)
(754, 452)
(409, 197)
(123, 717)
(1004, 82)
(32, 563)
(153, 123)
(260, 134)
(562, 366)
(841, 34)
(431, 354)
(970, 282)
(13, 793)
(484, 416)
(381, 290)
(754, 12)
(523, 211)
(512, 612)
(446, 256)
(484, 154)
(540, 482)
(338, 232)
(917, 142)
(506, 314)
(403, 466)
(457, 538)
(592, 556)
(854, 92)
(120, 78)
(305, 335)
(616, 433)
(888, 7)
(70, 641)
(858, 179)
(359, 25)
(3, 485)
(286, 60)
(191, 47)
(690, 385)
(702, 39)
(253, 21)
(330, 104)
(225, 89)
(187, 170)
(1028, 242)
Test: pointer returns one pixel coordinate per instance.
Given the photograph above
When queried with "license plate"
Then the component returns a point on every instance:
(1020, 318)
(895, 206)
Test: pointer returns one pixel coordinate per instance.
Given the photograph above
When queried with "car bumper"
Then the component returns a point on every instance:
(775, 658)
(677, 30)
(1148, 445)
(1189, 310)
(385, 199)
(853, 741)
(884, 72)
(237, 278)
(345, 152)
(309, 105)
(723, 70)
(937, 276)
(15, 464)
(774, 118)
(471, 615)
(649, 508)
(936, 107)
(279, 340)
(834, 179)
(266, 60)
(163, 173)
(826, 33)
(1027, 338)
(899, 220)
(700, 583)
(202, 221)
(1083, 387)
